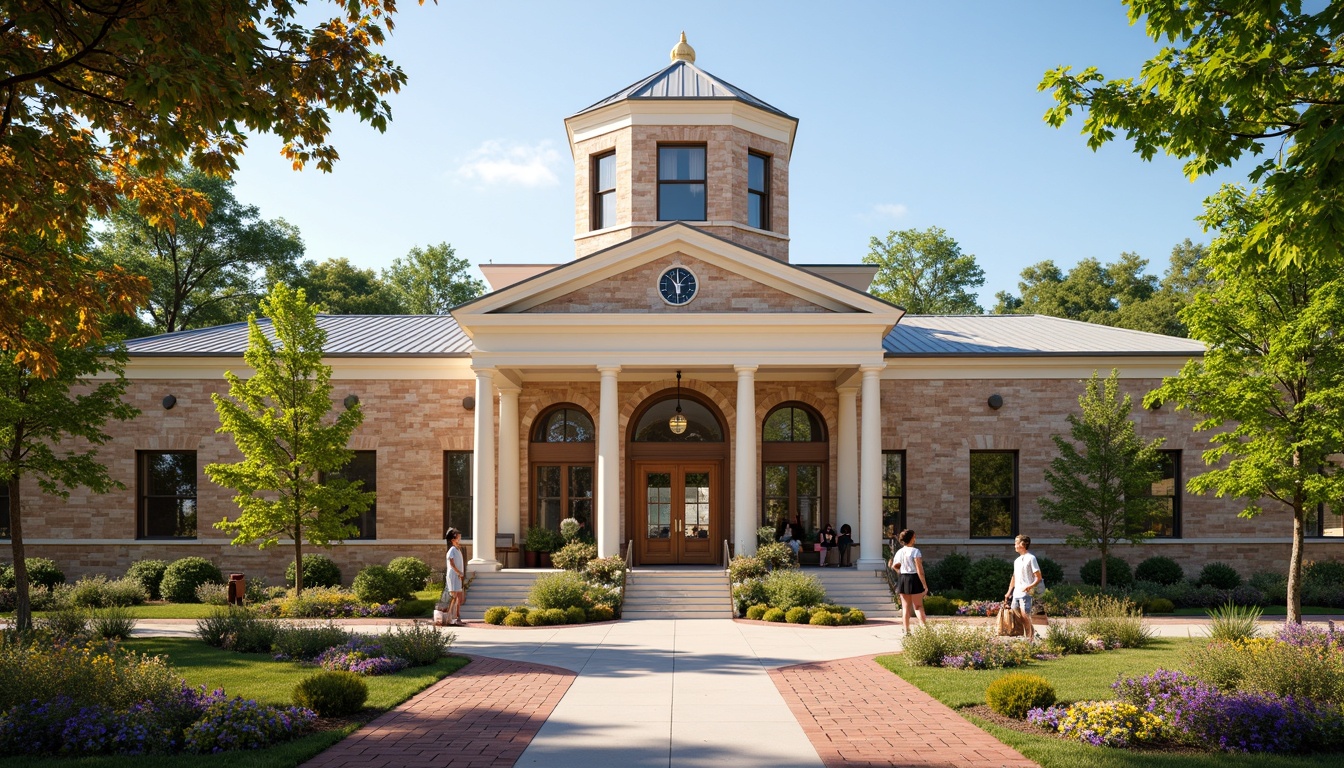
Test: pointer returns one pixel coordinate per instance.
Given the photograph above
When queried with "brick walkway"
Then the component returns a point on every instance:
(855, 713)
(483, 716)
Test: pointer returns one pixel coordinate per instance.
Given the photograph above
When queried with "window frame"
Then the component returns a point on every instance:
(599, 193)
(764, 193)
(1175, 496)
(142, 496)
(901, 523)
(451, 494)
(1013, 499)
(703, 181)
(369, 515)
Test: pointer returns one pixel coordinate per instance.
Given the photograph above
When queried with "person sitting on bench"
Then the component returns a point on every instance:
(825, 541)
(845, 540)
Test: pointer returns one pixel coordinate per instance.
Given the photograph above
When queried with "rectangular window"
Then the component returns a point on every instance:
(1166, 522)
(604, 190)
(364, 468)
(167, 494)
(1326, 520)
(993, 494)
(758, 191)
(4, 511)
(681, 183)
(893, 493)
(457, 499)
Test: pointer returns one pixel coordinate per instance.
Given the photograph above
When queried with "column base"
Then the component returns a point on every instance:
(870, 564)
(474, 565)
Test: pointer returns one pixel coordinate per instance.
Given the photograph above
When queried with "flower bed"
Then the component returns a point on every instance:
(980, 608)
(361, 656)
(325, 603)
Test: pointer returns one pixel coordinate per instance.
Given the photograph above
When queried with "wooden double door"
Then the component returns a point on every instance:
(676, 512)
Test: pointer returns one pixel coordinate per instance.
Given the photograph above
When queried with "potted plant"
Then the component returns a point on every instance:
(534, 541)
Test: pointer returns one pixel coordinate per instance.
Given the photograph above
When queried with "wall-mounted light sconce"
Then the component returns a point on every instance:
(996, 401)
(468, 403)
(1156, 405)
(351, 401)
(168, 402)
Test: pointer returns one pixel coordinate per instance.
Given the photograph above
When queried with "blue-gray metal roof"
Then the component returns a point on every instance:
(1025, 336)
(683, 80)
(347, 336)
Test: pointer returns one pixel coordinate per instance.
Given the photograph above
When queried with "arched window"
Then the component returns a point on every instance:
(701, 424)
(793, 424)
(562, 454)
(795, 467)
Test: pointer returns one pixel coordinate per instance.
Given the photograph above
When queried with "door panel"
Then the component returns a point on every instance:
(677, 513)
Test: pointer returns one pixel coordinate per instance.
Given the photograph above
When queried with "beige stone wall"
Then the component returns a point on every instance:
(719, 290)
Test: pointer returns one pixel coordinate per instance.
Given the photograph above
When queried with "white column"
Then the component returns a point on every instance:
(847, 454)
(870, 480)
(510, 511)
(608, 525)
(745, 515)
(483, 476)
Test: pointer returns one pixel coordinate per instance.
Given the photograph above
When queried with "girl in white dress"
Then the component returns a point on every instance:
(456, 571)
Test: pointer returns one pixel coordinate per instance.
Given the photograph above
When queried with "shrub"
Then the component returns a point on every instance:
(213, 594)
(412, 570)
(1117, 621)
(419, 644)
(789, 588)
(797, 615)
(555, 616)
(1246, 595)
(774, 614)
(558, 590)
(927, 646)
(749, 592)
(1066, 637)
(609, 571)
(496, 614)
(569, 528)
(244, 724)
(1233, 622)
(987, 578)
(1118, 573)
(35, 666)
(332, 693)
(305, 642)
(1219, 576)
(66, 622)
(515, 619)
(938, 606)
(949, 572)
(776, 555)
(1051, 571)
(1319, 572)
(112, 623)
(1159, 605)
(237, 629)
(1274, 586)
(182, 577)
(41, 572)
(743, 567)
(601, 613)
(575, 615)
(323, 603)
(378, 584)
(597, 594)
(855, 616)
(1159, 569)
(574, 556)
(318, 571)
(1013, 695)
(755, 612)
(150, 574)
(824, 619)
(99, 592)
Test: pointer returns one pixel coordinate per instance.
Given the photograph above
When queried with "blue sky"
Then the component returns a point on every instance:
(912, 114)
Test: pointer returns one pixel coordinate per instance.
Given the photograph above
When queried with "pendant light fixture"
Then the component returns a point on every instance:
(678, 422)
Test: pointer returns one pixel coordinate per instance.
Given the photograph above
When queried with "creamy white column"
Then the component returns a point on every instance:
(870, 480)
(510, 520)
(847, 454)
(483, 476)
(744, 454)
(608, 525)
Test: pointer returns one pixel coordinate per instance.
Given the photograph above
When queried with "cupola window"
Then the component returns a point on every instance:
(604, 191)
(758, 191)
(681, 183)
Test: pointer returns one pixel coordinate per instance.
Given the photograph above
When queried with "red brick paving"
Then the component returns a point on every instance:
(483, 716)
(857, 713)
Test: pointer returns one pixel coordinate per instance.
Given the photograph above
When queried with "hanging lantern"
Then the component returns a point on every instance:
(678, 422)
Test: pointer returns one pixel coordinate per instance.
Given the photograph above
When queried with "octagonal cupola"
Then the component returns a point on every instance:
(682, 145)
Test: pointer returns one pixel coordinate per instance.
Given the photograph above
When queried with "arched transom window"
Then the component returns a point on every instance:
(794, 470)
(562, 454)
(566, 424)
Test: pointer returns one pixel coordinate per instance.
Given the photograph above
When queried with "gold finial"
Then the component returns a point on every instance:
(682, 51)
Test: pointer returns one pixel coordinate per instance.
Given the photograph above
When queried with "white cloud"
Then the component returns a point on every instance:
(890, 210)
(510, 163)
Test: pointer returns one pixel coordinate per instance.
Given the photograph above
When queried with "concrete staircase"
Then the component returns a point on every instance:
(863, 589)
(490, 588)
(677, 593)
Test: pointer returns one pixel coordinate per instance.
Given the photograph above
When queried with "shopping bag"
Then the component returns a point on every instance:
(1011, 623)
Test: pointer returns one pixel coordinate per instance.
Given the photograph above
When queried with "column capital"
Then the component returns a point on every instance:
(850, 390)
(608, 370)
(872, 368)
(488, 371)
(745, 369)
(507, 387)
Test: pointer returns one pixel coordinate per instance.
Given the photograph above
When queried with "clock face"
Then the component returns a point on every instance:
(677, 286)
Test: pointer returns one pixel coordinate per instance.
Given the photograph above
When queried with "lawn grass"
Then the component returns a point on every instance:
(419, 606)
(254, 676)
(1079, 678)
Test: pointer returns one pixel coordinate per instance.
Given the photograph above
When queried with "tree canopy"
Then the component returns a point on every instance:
(925, 272)
(340, 288)
(102, 98)
(432, 280)
(1271, 385)
(1235, 78)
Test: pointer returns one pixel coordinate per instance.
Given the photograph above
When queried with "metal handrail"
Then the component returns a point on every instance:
(727, 554)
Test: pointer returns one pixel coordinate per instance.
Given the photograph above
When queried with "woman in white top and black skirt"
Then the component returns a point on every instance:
(908, 563)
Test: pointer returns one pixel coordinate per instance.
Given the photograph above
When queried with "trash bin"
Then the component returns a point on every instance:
(237, 589)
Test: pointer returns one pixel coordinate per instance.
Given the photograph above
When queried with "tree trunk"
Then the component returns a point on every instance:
(298, 566)
(1104, 557)
(1295, 563)
(23, 611)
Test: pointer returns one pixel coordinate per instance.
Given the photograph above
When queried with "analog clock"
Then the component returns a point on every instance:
(677, 286)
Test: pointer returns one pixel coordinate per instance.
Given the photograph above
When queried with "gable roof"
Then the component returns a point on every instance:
(683, 80)
(1025, 336)
(347, 336)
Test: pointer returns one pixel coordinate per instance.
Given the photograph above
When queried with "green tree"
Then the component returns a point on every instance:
(340, 288)
(101, 98)
(1236, 77)
(203, 274)
(1271, 383)
(1101, 481)
(925, 272)
(432, 280)
(40, 420)
(278, 419)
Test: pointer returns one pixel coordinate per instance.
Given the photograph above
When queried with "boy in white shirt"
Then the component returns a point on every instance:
(1026, 578)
